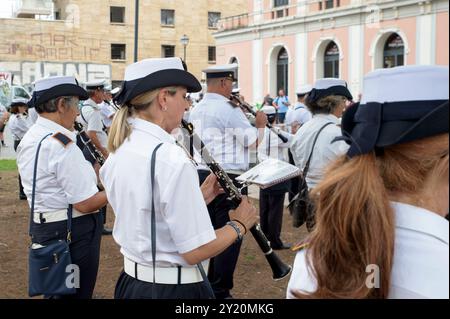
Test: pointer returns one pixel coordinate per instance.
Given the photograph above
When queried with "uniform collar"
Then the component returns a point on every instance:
(152, 129)
(421, 220)
(91, 103)
(55, 128)
(299, 106)
(215, 96)
(328, 117)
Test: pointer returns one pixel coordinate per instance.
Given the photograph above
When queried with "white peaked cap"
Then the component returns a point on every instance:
(52, 81)
(407, 83)
(326, 83)
(304, 89)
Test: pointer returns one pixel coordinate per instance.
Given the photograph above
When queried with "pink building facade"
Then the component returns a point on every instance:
(289, 43)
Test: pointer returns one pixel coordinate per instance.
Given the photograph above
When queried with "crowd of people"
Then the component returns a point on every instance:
(378, 179)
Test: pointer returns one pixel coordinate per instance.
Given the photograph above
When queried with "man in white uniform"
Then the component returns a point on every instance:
(91, 118)
(295, 118)
(228, 136)
(300, 114)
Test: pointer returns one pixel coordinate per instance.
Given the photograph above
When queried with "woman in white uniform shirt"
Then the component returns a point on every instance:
(327, 102)
(153, 101)
(380, 209)
(63, 179)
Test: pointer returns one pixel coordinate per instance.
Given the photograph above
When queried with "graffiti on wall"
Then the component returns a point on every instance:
(27, 72)
(54, 46)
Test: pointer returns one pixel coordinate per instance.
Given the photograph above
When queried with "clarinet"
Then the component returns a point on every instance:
(88, 143)
(279, 269)
(238, 102)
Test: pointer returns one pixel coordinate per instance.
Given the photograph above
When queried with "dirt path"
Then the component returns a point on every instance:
(252, 277)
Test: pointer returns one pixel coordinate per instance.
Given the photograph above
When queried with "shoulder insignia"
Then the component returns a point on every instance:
(63, 139)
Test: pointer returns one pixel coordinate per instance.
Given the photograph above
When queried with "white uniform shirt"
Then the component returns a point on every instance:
(63, 176)
(33, 114)
(421, 257)
(225, 130)
(324, 152)
(3, 110)
(107, 112)
(182, 219)
(299, 114)
(19, 124)
(91, 118)
(272, 147)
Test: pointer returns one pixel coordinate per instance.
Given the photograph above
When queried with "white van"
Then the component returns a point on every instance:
(10, 92)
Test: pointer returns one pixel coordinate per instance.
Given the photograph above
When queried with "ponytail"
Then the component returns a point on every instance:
(353, 209)
(355, 225)
(120, 129)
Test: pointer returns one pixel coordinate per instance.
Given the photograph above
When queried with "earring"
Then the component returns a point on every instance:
(165, 109)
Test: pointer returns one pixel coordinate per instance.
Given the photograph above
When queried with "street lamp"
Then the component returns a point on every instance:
(184, 41)
(136, 30)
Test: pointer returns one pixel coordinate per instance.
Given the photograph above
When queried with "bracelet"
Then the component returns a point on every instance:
(242, 224)
(236, 228)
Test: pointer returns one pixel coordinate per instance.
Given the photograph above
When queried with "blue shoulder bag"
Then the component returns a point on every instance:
(48, 264)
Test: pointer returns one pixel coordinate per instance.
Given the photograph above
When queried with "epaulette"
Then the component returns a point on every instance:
(63, 139)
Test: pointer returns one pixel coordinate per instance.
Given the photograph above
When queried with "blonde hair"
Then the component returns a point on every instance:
(120, 129)
(355, 222)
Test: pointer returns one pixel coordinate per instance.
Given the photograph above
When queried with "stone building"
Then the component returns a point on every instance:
(95, 39)
(289, 43)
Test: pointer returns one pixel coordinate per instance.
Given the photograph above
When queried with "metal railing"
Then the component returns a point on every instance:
(32, 7)
(298, 9)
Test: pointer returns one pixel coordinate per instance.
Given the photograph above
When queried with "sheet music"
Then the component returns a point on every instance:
(269, 172)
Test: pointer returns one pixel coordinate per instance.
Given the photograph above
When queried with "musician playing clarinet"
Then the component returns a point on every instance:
(229, 136)
(64, 180)
(162, 224)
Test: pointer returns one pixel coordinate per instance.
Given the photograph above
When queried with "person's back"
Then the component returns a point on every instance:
(420, 262)
(225, 131)
(381, 230)
(271, 146)
(324, 151)
(427, 262)
(327, 104)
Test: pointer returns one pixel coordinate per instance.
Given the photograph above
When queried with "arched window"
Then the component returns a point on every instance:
(331, 61)
(283, 71)
(234, 60)
(394, 52)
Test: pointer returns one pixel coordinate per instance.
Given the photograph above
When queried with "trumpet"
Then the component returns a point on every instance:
(238, 102)
(88, 143)
(279, 268)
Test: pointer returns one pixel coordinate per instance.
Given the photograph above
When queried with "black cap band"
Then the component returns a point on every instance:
(374, 125)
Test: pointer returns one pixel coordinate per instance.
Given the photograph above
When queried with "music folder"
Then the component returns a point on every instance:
(268, 173)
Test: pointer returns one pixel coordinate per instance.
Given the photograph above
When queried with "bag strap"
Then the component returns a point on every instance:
(206, 280)
(306, 169)
(153, 217)
(81, 113)
(153, 228)
(33, 191)
(33, 196)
